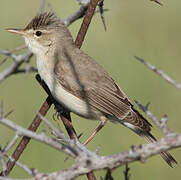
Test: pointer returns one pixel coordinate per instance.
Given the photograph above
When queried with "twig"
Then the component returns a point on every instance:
(76, 15)
(39, 137)
(25, 140)
(58, 134)
(19, 48)
(11, 143)
(3, 61)
(22, 166)
(157, 1)
(81, 12)
(86, 22)
(7, 114)
(86, 163)
(160, 72)
(42, 6)
(18, 60)
(3, 162)
(108, 175)
(101, 10)
(126, 172)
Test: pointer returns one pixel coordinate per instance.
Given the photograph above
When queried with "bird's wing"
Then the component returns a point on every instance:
(79, 74)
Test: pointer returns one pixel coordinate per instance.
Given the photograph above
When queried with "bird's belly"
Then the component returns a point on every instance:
(72, 103)
(65, 98)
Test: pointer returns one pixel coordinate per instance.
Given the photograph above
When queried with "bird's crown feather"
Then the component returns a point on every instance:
(47, 19)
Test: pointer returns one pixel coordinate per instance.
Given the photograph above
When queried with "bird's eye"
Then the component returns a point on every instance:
(38, 33)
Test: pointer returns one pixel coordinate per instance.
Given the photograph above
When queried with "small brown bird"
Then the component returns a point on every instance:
(77, 81)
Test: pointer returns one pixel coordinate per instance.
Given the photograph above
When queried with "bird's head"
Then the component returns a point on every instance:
(44, 31)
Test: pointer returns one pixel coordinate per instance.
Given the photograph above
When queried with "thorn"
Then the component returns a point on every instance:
(164, 119)
(139, 59)
(158, 2)
(43, 131)
(7, 114)
(3, 61)
(66, 158)
(144, 108)
(108, 175)
(165, 116)
(101, 10)
(126, 172)
(133, 148)
(136, 101)
(98, 149)
(34, 171)
(79, 135)
(2, 150)
(147, 105)
(143, 160)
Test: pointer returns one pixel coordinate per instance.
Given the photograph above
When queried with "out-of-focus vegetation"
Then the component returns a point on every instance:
(138, 27)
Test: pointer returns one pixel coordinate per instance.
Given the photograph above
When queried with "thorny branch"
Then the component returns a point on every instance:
(157, 1)
(160, 72)
(22, 166)
(40, 137)
(86, 160)
(76, 15)
(161, 124)
(18, 60)
(108, 175)
(25, 140)
(86, 21)
(126, 172)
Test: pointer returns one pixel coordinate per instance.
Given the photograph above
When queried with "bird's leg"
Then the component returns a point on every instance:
(101, 125)
(60, 111)
(64, 114)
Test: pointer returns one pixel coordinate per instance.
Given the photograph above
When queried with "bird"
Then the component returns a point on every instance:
(77, 81)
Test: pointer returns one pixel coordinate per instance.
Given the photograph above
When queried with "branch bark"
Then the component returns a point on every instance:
(25, 140)
(18, 60)
(160, 73)
(140, 153)
(87, 161)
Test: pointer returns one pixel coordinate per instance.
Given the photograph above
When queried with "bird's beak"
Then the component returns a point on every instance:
(17, 31)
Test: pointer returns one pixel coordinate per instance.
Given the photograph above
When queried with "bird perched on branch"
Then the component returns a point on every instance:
(77, 81)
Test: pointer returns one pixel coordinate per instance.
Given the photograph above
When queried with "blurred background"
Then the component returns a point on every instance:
(140, 28)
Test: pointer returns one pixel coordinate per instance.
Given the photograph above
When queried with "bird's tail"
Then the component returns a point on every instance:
(165, 155)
